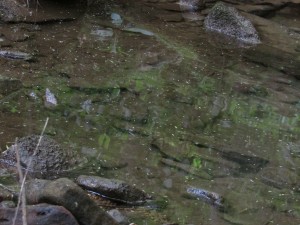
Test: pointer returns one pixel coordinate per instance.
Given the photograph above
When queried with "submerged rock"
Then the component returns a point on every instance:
(280, 177)
(8, 85)
(212, 198)
(279, 47)
(15, 55)
(66, 193)
(50, 158)
(42, 214)
(113, 189)
(227, 20)
(50, 99)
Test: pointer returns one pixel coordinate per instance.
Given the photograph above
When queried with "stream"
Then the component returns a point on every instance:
(151, 97)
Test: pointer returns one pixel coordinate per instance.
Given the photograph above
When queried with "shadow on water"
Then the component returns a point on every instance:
(152, 98)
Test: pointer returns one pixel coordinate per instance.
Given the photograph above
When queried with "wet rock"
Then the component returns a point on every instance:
(40, 11)
(66, 193)
(8, 85)
(42, 214)
(211, 198)
(227, 20)
(187, 168)
(250, 89)
(248, 163)
(15, 55)
(118, 216)
(50, 99)
(50, 158)
(280, 177)
(184, 156)
(278, 48)
(113, 189)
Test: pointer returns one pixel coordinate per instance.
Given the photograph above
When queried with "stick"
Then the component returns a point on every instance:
(23, 178)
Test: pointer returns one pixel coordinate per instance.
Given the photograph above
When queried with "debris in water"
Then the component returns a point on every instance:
(33, 95)
(210, 197)
(139, 30)
(50, 99)
(116, 19)
(87, 105)
(102, 34)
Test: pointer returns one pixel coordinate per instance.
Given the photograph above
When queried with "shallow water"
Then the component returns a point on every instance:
(165, 106)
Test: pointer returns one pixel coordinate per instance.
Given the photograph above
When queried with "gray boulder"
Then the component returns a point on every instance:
(50, 158)
(227, 20)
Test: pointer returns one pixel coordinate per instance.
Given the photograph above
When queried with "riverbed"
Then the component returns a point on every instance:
(165, 105)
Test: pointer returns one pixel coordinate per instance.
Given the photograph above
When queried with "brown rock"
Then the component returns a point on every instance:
(278, 47)
(66, 193)
(42, 214)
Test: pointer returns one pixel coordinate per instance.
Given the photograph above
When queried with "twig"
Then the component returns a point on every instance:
(23, 178)
(22, 192)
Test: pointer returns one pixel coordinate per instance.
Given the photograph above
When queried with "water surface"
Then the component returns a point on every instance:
(134, 91)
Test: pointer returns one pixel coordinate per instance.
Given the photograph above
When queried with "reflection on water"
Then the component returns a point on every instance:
(167, 111)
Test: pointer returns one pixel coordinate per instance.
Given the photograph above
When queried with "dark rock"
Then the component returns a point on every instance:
(8, 85)
(227, 20)
(50, 158)
(248, 164)
(66, 193)
(42, 214)
(113, 189)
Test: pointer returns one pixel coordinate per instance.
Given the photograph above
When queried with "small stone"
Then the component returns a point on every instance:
(50, 99)
(118, 216)
(168, 183)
